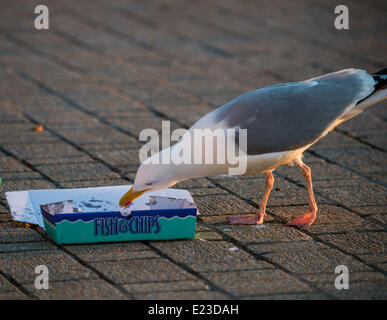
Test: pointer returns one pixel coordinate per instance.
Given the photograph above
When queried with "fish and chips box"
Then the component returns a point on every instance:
(91, 215)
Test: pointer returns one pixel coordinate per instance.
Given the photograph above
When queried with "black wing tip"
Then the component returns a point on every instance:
(380, 72)
(381, 79)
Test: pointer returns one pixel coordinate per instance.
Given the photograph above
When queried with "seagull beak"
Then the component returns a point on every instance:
(128, 197)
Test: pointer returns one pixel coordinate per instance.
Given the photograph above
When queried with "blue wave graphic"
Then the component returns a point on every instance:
(89, 216)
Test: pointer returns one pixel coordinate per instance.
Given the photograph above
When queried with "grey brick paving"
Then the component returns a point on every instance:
(104, 71)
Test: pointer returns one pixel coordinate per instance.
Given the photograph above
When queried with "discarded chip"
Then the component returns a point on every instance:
(38, 128)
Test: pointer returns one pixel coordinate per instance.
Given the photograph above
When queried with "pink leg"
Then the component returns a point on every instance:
(308, 218)
(256, 218)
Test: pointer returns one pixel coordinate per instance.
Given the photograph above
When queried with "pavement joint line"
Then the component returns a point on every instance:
(27, 164)
(25, 250)
(191, 271)
(350, 135)
(21, 43)
(277, 294)
(330, 161)
(85, 264)
(174, 291)
(245, 248)
(295, 35)
(18, 285)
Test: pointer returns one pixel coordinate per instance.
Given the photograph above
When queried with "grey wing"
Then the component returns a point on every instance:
(294, 115)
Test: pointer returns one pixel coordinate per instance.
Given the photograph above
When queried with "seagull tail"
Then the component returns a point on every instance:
(379, 93)
(381, 79)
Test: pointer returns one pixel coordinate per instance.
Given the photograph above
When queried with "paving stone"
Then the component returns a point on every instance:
(197, 192)
(208, 236)
(91, 289)
(130, 143)
(18, 235)
(358, 243)
(62, 160)
(5, 216)
(93, 183)
(77, 171)
(93, 134)
(28, 136)
(290, 296)
(24, 184)
(267, 232)
(183, 295)
(26, 246)
(307, 257)
(334, 141)
(119, 157)
(367, 210)
(254, 282)
(356, 195)
(330, 219)
(13, 295)
(206, 256)
(66, 118)
(28, 175)
(320, 171)
(283, 193)
(9, 164)
(361, 286)
(112, 252)
(141, 270)
(378, 217)
(222, 204)
(135, 123)
(161, 287)
(21, 266)
(37, 152)
(5, 285)
(195, 183)
(362, 159)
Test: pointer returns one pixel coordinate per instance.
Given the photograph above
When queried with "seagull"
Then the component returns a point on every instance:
(281, 122)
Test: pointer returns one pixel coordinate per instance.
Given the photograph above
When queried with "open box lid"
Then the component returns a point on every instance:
(25, 205)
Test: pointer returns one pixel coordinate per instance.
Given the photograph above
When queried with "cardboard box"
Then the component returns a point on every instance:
(165, 214)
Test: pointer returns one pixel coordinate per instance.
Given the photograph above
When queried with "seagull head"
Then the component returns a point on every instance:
(151, 177)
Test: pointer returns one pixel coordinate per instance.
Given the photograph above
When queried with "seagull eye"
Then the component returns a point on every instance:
(148, 183)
